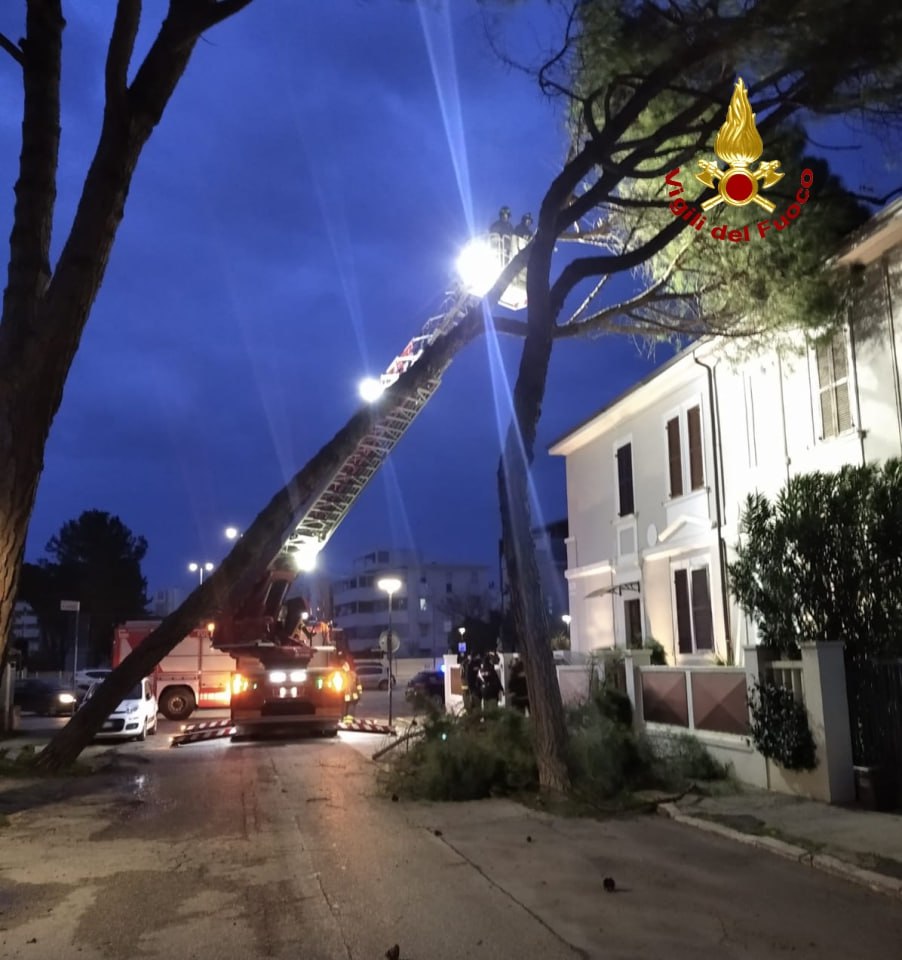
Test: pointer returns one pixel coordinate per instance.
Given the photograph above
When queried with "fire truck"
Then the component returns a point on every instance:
(193, 675)
(197, 675)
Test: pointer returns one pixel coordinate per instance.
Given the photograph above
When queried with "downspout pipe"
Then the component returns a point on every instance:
(897, 388)
(721, 546)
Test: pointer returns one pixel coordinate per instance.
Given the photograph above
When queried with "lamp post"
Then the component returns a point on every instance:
(232, 533)
(200, 569)
(389, 585)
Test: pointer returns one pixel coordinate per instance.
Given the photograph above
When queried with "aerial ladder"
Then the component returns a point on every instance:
(283, 677)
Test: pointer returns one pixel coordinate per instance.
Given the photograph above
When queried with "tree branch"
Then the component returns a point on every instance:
(29, 260)
(223, 10)
(585, 267)
(119, 53)
(14, 51)
(84, 257)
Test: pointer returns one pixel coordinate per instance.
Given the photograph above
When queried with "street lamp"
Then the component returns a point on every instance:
(232, 533)
(461, 631)
(389, 585)
(200, 569)
(566, 619)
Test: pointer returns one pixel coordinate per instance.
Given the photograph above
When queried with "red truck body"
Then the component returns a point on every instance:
(194, 675)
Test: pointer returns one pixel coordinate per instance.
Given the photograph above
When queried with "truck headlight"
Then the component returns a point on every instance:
(337, 682)
(66, 698)
(278, 676)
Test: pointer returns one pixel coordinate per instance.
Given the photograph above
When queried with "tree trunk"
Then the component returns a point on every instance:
(20, 454)
(256, 549)
(530, 618)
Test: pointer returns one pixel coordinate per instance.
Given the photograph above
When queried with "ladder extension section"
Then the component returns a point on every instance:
(323, 515)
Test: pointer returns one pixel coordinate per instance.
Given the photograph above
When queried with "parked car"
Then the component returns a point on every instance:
(85, 678)
(426, 685)
(136, 715)
(373, 676)
(48, 698)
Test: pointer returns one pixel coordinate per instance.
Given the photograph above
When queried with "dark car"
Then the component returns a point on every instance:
(45, 697)
(427, 685)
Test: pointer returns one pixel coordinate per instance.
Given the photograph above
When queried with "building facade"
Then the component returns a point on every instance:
(656, 480)
(433, 598)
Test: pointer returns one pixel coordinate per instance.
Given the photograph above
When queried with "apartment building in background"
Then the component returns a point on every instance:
(434, 597)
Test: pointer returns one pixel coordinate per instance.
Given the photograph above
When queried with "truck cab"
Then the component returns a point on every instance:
(315, 692)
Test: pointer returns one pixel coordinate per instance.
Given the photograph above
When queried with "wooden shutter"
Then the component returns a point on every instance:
(696, 465)
(833, 385)
(674, 457)
(625, 479)
(702, 620)
(684, 617)
(841, 383)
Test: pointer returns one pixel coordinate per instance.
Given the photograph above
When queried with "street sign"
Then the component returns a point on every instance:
(395, 641)
(70, 606)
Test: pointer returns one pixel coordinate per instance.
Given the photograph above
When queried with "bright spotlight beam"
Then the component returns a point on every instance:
(370, 389)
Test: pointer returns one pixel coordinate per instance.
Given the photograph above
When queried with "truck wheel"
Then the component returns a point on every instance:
(177, 703)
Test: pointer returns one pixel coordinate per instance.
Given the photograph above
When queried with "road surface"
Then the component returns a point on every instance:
(285, 849)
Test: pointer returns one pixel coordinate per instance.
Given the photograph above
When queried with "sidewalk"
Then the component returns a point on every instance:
(862, 846)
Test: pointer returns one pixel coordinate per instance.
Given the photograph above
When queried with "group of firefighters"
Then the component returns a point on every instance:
(481, 684)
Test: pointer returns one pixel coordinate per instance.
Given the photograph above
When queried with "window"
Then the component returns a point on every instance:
(626, 504)
(632, 618)
(424, 630)
(674, 458)
(692, 455)
(692, 598)
(448, 588)
(423, 605)
(833, 386)
(696, 471)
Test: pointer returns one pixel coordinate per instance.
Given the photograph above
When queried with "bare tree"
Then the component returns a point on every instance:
(46, 306)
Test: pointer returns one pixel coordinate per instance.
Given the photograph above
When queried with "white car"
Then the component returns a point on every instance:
(85, 679)
(136, 715)
(373, 675)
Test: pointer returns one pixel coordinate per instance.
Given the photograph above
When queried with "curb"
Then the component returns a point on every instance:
(879, 882)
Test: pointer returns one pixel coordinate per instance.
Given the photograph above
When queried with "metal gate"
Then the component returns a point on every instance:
(875, 716)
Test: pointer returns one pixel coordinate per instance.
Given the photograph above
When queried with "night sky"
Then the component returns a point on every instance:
(292, 223)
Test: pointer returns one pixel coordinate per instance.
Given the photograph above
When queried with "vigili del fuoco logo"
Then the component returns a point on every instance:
(738, 145)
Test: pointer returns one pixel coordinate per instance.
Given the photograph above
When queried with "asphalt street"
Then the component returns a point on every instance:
(286, 849)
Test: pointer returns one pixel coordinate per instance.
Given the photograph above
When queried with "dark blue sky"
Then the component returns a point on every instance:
(292, 223)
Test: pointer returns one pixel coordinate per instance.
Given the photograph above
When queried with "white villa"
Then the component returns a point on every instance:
(656, 479)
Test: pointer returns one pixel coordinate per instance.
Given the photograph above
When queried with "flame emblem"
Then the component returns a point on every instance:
(738, 144)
